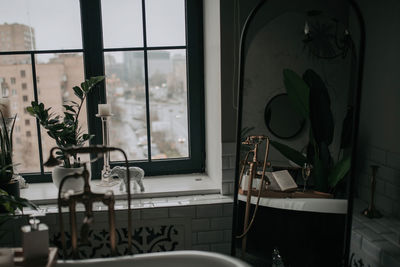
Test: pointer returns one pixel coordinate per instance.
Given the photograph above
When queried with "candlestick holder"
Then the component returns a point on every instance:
(106, 179)
(371, 211)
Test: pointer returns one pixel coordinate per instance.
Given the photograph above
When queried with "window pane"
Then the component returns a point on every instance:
(25, 140)
(168, 104)
(122, 23)
(126, 94)
(165, 22)
(58, 74)
(39, 25)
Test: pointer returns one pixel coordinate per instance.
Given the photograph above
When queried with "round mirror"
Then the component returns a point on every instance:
(281, 118)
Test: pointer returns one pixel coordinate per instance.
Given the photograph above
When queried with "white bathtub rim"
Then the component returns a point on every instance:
(168, 254)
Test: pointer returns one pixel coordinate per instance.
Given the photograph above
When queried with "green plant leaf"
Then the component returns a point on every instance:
(290, 153)
(321, 117)
(339, 171)
(78, 92)
(85, 86)
(69, 108)
(298, 92)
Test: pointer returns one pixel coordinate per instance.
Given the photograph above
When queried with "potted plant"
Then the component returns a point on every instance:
(66, 132)
(310, 97)
(7, 179)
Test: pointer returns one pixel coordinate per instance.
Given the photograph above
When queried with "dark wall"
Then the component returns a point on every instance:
(379, 132)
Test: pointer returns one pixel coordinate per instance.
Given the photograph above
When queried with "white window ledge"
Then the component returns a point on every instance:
(156, 186)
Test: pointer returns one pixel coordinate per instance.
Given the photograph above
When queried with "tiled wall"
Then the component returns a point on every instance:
(376, 242)
(202, 222)
(387, 194)
(228, 168)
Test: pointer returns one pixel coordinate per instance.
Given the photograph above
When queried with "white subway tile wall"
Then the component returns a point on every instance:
(228, 168)
(206, 220)
(387, 193)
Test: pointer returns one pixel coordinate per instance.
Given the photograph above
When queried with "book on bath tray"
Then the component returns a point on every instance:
(280, 181)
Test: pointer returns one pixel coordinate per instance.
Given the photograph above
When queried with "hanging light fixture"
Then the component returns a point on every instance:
(324, 40)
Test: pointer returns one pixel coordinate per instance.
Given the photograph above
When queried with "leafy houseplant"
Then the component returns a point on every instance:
(6, 149)
(310, 97)
(66, 131)
(9, 205)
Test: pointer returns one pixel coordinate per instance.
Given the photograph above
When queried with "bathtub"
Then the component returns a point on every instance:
(190, 258)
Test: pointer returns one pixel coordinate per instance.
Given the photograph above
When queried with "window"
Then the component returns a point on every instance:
(28, 134)
(13, 92)
(13, 81)
(146, 48)
(4, 92)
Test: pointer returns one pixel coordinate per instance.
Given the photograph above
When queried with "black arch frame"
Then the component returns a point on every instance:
(356, 119)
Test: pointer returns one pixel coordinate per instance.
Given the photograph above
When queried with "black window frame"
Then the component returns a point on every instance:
(93, 57)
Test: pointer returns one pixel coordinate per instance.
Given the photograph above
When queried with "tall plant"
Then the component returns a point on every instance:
(66, 131)
(6, 146)
(310, 97)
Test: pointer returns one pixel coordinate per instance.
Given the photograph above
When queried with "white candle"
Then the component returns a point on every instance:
(306, 28)
(104, 109)
(5, 107)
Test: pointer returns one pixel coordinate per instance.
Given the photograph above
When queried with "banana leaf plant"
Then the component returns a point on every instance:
(309, 96)
(66, 131)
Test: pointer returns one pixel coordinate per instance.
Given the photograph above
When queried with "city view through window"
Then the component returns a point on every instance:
(58, 72)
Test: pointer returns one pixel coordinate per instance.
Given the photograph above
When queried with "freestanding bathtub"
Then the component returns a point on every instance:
(190, 258)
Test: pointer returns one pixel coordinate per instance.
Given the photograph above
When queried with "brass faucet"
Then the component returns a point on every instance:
(87, 198)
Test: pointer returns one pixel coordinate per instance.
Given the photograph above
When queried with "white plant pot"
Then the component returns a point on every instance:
(71, 184)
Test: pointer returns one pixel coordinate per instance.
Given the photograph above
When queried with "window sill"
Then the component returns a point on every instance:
(156, 186)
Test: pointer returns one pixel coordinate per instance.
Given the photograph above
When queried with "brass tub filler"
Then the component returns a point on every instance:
(87, 198)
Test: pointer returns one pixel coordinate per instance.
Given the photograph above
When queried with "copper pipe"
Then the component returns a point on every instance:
(111, 221)
(74, 231)
(248, 204)
(255, 141)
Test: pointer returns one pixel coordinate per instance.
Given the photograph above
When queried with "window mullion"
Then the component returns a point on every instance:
(146, 80)
(35, 94)
(92, 38)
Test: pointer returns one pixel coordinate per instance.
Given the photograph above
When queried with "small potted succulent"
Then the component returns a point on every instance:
(7, 179)
(66, 132)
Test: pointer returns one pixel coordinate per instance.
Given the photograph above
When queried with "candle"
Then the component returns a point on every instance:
(104, 109)
(5, 107)
(306, 28)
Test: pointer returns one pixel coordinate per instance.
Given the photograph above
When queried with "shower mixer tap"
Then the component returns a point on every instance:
(87, 198)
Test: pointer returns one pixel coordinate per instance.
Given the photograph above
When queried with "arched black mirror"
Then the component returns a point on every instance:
(281, 118)
(293, 180)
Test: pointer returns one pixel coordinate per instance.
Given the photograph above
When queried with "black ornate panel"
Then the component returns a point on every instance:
(145, 239)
